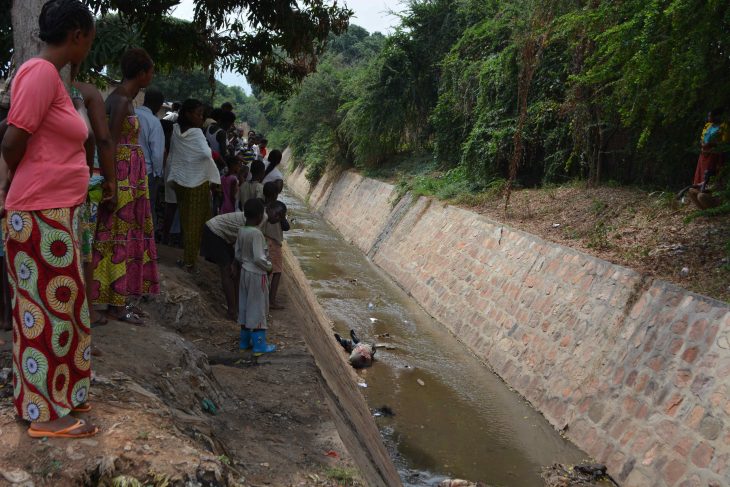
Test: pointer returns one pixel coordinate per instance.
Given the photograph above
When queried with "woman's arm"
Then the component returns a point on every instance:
(222, 143)
(259, 255)
(14, 145)
(34, 90)
(105, 144)
(118, 108)
(4, 185)
(233, 188)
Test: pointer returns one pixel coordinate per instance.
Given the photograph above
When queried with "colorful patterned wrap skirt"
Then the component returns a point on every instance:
(51, 335)
(124, 254)
(88, 217)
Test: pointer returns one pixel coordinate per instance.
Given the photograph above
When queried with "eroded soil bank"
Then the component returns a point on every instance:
(151, 384)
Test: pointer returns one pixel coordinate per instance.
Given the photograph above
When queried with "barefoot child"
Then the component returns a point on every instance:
(253, 295)
(273, 230)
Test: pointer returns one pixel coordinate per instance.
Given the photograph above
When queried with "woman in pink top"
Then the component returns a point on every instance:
(44, 150)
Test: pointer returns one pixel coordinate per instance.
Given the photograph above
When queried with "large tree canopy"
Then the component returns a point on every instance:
(274, 43)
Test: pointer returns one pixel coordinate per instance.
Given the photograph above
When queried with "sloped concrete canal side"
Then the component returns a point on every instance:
(635, 371)
(440, 414)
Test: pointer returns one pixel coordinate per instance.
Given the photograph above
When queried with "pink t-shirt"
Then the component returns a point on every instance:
(53, 172)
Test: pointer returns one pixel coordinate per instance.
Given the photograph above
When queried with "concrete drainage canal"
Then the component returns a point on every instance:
(442, 412)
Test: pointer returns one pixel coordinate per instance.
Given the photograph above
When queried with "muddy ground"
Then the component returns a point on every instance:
(151, 384)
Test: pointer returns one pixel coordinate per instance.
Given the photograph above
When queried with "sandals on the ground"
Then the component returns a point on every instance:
(63, 433)
(82, 408)
(134, 309)
(132, 318)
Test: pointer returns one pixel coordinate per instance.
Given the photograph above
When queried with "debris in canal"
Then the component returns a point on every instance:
(420, 382)
(460, 483)
(384, 411)
(583, 475)
(361, 354)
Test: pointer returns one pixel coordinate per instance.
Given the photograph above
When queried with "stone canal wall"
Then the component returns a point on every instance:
(635, 371)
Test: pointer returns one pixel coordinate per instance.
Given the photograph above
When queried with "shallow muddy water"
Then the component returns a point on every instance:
(453, 416)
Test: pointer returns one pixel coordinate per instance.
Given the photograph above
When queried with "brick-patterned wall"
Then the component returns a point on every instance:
(636, 371)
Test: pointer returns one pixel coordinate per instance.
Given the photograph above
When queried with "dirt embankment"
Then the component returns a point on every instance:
(648, 232)
(178, 404)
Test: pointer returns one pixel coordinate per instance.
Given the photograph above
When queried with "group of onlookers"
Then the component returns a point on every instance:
(81, 179)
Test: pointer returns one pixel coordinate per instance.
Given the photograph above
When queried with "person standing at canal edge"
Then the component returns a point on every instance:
(273, 229)
(51, 334)
(192, 171)
(253, 286)
(125, 255)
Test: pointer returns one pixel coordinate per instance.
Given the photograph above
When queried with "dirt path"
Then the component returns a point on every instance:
(271, 424)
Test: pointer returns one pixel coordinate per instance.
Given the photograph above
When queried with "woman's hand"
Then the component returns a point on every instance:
(4, 185)
(3, 193)
(109, 194)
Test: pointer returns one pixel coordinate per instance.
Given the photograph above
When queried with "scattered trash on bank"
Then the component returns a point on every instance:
(583, 475)
(209, 407)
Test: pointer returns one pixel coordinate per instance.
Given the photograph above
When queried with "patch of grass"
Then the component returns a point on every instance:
(598, 206)
(402, 166)
(598, 236)
(341, 474)
(571, 233)
(49, 468)
(125, 481)
(665, 200)
(452, 185)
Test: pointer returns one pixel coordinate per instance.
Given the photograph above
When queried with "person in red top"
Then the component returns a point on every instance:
(44, 151)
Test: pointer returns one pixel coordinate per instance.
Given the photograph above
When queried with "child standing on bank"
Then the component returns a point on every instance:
(253, 294)
(273, 229)
(253, 188)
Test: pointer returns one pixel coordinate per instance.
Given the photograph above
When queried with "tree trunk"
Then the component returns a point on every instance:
(24, 15)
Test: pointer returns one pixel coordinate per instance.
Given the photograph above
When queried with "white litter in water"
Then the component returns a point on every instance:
(362, 384)
(373, 320)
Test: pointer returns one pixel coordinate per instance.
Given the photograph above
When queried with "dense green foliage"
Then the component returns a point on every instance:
(274, 43)
(530, 90)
